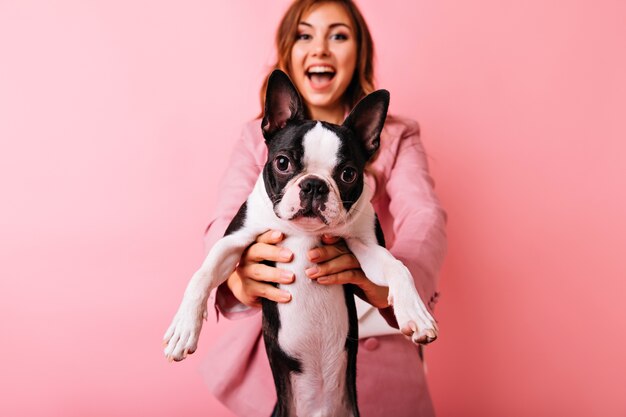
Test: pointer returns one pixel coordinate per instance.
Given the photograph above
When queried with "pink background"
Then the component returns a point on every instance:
(116, 120)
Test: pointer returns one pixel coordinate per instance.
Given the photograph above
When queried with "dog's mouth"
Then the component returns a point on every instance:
(309, 216)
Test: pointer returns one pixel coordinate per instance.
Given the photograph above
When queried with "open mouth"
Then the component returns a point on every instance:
(320, 76)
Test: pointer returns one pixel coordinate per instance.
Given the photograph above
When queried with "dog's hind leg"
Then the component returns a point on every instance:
(352, 346)
(282, 365)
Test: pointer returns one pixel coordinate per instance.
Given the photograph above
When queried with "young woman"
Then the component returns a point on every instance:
(326, 48)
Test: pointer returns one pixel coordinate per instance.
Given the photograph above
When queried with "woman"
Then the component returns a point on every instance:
(326, 48)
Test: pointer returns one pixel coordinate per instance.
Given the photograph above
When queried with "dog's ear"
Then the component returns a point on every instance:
(282, 104)
(367, 118)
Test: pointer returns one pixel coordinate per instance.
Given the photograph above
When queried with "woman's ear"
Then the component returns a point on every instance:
(282, 104)
(367, 118)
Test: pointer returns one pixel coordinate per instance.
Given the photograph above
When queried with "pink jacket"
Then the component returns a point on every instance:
(237, 370)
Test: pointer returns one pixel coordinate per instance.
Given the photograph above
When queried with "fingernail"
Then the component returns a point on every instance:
(287, 276)
(285, 296)
(312, 271)
(314, 254)
(322, 280)
(276, 234)
(285, 254)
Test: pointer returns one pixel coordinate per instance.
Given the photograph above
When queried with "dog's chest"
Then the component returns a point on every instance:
(314, 324)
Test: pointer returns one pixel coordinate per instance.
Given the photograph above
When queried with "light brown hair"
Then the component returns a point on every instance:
(362, 82)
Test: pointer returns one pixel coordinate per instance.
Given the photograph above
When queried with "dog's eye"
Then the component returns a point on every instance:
(282, 163)
(348, 175)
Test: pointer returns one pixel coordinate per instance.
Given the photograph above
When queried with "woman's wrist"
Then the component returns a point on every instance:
(226, 299)
(232, 281)
(373, 294)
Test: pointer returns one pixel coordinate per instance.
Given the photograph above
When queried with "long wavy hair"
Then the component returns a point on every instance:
(362, 82)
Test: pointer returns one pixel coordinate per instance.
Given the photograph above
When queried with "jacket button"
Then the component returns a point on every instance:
(371, 343)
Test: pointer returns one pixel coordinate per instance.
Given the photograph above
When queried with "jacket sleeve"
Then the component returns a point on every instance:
(236, 184)
(418, 218)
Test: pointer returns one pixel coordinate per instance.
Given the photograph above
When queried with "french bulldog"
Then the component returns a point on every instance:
(312, 184)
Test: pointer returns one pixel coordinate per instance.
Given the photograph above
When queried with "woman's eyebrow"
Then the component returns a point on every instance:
(331, 26)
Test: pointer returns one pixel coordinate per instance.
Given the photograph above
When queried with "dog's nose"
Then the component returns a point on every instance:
(313, 187)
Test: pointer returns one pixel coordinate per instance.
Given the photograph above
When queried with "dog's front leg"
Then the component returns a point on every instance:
(382, 268)
(182, 335)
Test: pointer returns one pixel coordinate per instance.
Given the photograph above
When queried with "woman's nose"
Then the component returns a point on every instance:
(320, 47)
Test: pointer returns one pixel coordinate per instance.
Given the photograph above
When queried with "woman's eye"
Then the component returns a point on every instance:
(303, 37)
(348, 175)
(282, 163)
(339, 37)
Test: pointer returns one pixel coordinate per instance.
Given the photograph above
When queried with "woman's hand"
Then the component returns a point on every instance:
(250, 281)
(337, 265)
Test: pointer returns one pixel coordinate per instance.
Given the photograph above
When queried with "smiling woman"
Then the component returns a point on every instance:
(323, 60)
(326, 49)
(329, 54)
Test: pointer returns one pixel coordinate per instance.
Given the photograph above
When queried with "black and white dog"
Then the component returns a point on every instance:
(311, 184)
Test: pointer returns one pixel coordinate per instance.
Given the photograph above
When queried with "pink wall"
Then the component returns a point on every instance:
(116, 119)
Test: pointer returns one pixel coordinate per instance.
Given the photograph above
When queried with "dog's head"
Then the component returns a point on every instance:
(314, 170)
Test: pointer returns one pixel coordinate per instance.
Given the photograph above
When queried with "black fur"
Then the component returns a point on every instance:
(281, 363)
(285, 143)
(352, 346)
(380, 236)
(237, 222)
(352, 155)
(313, 195)
(288, 143)
(367, 118)
(284, 127)
(283, 104)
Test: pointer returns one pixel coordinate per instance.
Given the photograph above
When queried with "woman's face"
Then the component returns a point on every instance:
(323, 58)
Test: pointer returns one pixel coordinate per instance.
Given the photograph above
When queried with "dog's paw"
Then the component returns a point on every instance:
(412, 315)
(419, 335)
(181, 338)
(415, 321)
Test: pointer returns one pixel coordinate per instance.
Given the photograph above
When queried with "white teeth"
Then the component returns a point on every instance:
(320, 69)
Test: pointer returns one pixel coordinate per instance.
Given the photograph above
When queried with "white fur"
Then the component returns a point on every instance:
(316, 320)
(321, 148)
(314, 327)
(182, 335)
(291, 202)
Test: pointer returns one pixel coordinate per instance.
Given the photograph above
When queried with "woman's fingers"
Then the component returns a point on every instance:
(348, 276)
(271, 236)
(255, 290)
(253, 276)
(265, 249)
(341, 263)
(251, 268)
(329, 239)
(251, 280)
(261, 272)
(365, 289)
(267, 252)
(327, 252)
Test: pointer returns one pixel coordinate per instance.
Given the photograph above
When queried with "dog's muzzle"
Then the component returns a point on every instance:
(313, 197)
